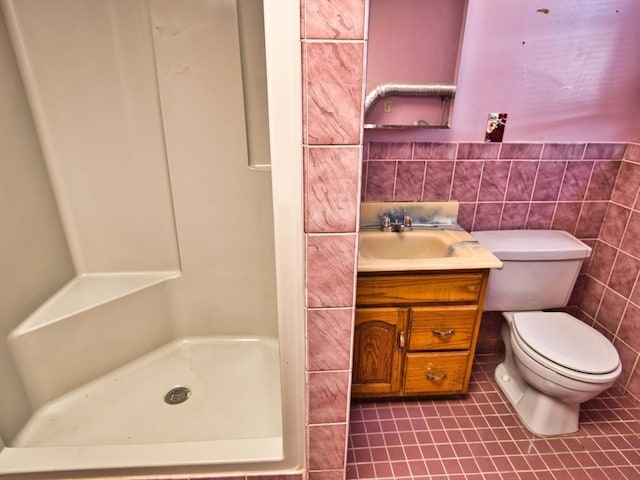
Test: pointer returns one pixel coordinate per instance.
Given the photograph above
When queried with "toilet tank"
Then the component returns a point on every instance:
(540, 268)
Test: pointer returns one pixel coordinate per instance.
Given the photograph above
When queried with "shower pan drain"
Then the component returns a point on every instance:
(177, 395)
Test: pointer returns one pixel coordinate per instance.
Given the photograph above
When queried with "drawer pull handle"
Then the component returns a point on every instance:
(444, 333)
(436, 378)
(401, 340)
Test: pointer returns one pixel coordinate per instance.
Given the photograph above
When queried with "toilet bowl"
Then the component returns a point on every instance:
(546, 381)
(553, 361)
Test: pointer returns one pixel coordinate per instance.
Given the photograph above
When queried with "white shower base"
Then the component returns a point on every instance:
(121, 420)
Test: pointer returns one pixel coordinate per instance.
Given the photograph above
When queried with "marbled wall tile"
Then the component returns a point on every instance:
(591, 295)
(390, 151)
(629, 331)
(329, 339)
(624, 274)
(327, 396)
(631, 240)
(487, 216)
(303, 19)
(635, 298)
(548, 181)
(521, 151)
(334, 90)
(514, 216)
(466, 181)
(628, 358)
(590, 220)
(540, 215)
(494, 181)
(490, 330)
(363, 186)
(563, 151)
(633, 383)
(614, 224)
(466, 215)
(212, 477)
(591, 243)
(627, 184)
(327, 475)
(633, 152)
(478, 151)
(566, 216)
(602, 260)
(602, 151)
(611, 310)
(290, 476)
(409, 181)
(522, 178)
(326, 446)
(331, 189)
(434, 151)
(576, 178)
(437, 182)
(381, 181)
(574, 299)
(330, 270)
(603, 178)
(637, 205)
(305, 94)
(334, 19)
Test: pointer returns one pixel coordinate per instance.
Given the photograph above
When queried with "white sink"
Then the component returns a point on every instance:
(404, 245)
(422, 250)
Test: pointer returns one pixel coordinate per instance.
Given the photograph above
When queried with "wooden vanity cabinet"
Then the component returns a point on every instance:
(416, 333)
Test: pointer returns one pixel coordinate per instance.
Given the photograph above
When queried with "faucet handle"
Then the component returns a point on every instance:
(407, 223)
(385, 224)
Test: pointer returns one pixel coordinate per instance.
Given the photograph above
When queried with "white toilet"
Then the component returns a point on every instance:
(553, 361)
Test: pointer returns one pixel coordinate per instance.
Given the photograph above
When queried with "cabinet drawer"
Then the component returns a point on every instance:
(440, 372)
(414, 289)
(442, 328)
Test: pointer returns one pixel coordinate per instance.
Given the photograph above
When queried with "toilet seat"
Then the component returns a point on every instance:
(566, 345)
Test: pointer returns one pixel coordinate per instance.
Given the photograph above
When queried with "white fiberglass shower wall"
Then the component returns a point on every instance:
(138, 250)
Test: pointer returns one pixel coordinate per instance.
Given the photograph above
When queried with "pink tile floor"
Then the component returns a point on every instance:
(477, 436)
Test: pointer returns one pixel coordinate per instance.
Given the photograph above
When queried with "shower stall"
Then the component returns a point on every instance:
(151, 246)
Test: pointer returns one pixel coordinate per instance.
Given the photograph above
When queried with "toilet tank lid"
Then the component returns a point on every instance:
(524, 245)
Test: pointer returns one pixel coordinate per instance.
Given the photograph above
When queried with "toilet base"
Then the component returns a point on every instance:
(540, 414)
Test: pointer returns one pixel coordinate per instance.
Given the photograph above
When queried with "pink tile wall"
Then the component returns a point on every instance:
(588, 189)
(333, 56)
(609, 294)
(500, 186)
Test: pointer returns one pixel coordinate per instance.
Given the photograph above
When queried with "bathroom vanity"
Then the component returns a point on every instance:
(421, 285)
(416, 332)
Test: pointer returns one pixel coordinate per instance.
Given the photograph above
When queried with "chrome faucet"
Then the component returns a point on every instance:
(387, 226)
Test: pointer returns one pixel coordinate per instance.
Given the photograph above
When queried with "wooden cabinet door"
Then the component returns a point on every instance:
(379, 343)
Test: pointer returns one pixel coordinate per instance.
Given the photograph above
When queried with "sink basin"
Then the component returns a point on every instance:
(421, 250)
(405, 245)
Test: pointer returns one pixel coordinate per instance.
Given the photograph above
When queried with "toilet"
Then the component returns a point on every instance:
(553, 361)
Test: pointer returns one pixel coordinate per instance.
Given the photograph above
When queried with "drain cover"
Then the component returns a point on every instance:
(177, 395)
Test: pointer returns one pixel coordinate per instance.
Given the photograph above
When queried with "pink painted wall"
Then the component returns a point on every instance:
(415, 42)
(570, 75)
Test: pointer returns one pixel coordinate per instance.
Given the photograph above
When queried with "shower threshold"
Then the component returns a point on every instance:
(226, 408)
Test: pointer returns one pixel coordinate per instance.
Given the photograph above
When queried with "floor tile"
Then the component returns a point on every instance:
(478, 436)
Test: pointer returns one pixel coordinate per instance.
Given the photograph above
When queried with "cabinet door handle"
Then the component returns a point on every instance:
(444, 333)
(401, 340)
(436, 378)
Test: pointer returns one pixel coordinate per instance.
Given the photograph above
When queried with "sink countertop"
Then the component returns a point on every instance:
(464, 256)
